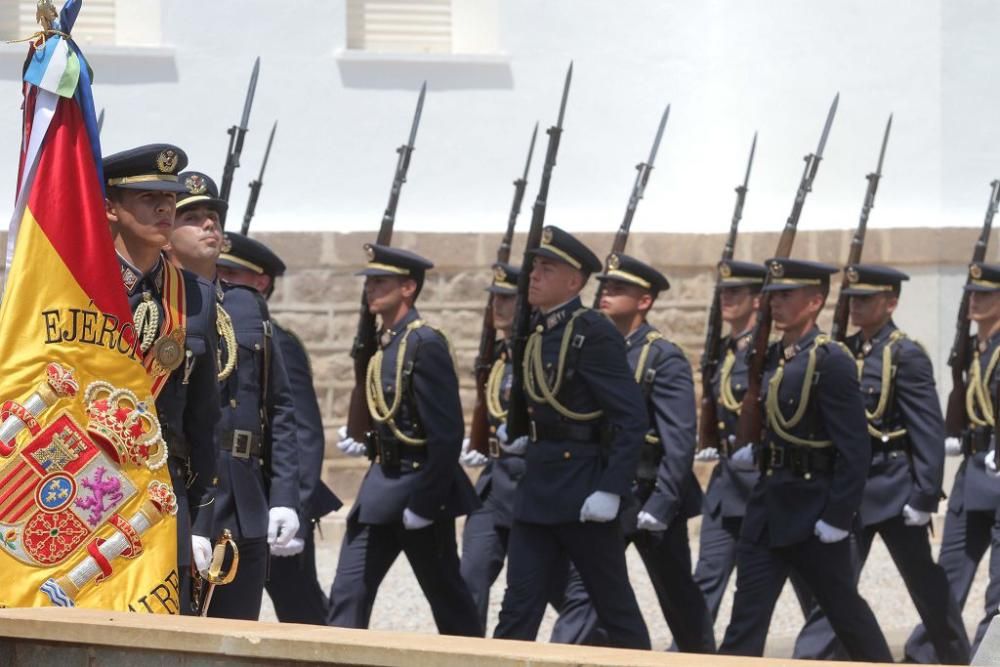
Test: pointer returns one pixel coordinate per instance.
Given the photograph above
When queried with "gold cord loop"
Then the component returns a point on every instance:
(535, 383)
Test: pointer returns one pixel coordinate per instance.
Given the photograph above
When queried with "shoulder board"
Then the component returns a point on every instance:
(823, 340)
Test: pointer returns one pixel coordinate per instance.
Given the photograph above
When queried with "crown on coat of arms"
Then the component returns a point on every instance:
(125, 425)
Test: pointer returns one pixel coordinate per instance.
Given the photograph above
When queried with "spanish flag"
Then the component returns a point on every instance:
(86, 504)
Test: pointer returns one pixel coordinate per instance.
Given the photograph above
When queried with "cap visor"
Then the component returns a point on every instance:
(381, 272)
(781, 288)
(981, 288)
(495, 289)
(156, 186)
(222, 261)
(548, 254)
(217, 205)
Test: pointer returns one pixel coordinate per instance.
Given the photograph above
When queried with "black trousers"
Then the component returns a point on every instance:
(967, 536)
(294, 589)
(484, 550)
(540, 554)
(667, 557)
(241, 597)
(367, 553)
(926, 583)
(716, 557)
(827, 570)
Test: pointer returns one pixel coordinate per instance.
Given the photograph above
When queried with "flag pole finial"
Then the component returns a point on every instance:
(46, 14)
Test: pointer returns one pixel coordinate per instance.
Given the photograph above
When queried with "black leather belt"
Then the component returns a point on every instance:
(804, 461)
(976, 440)
(897, 446)
(589, 433)
(242, 444)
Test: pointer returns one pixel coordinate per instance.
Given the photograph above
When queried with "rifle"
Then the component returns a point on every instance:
(638, 190)
(237, 133)
(750, 424)
(708, 419)
(359, 422)
(517, 410)
(479, 432)
(956, 418)
(838, 331)
(255, 185)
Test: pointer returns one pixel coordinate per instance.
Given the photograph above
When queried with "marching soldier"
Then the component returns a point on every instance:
(729, 487)
(970, 525)
(487, 530)
(257, 499)
(665, 493)
(292, 582)
(415, 487)
(814, 455)
(581, 455)
(907, 466)
(175, 325)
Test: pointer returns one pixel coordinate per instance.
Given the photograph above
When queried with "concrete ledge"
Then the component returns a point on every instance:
(42, 636)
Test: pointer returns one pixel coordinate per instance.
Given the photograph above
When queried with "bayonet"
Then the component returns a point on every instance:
(237, 134)
(256, 184)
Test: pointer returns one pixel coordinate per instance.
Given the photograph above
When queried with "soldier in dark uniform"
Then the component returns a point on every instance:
(292, 582)
(904, 481)
(729, 487)
(175, 322)
(814, 455)
(487, 530)
(257, 498)
(970, 525)
(581, 456)
(415, 487)
(665, 493)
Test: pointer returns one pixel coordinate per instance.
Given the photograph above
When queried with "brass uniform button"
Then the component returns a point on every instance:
(567, 455)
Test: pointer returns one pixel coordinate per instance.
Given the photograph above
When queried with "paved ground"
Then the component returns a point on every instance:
(401, 606)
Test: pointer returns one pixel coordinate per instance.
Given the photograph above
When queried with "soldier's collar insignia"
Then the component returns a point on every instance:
(195, 184)
(166, 161)
(386, 337)
(499, 275)
(777, 269)
(725, 270)
(614, 262)
(547, 235)
(852, 275)
(975, 271)
(866, 348)
(369, 252)
(227, 244)
(790, 351)
(129, 278)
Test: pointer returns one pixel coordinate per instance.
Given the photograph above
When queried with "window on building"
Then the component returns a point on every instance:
(399, 26)
(94, 25)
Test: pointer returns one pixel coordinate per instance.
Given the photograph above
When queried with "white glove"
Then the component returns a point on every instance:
(647, 521)
(707, 454)
(201, 552)
(282, 524)
(518, 447)
(600, 506)
(294, 547)
(828, 534)
(952, 447)
(913, 517)
(351, 447)
(742, 459)
(470, 457)
(413, 521)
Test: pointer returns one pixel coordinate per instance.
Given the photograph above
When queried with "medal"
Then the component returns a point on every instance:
(168, 352)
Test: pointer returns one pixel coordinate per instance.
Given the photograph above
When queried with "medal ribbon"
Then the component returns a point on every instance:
(175, 318)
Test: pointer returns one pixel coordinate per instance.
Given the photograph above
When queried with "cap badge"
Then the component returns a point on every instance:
(369, 252)
(725, 270)
(614, 262)
(777, 269)
(166, 161)
(976, 271)
(499, 275)
(852, 275)
(227, 244)
(547, 235)
(195, 184)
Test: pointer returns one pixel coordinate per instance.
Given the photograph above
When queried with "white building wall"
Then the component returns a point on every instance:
(728, 67)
